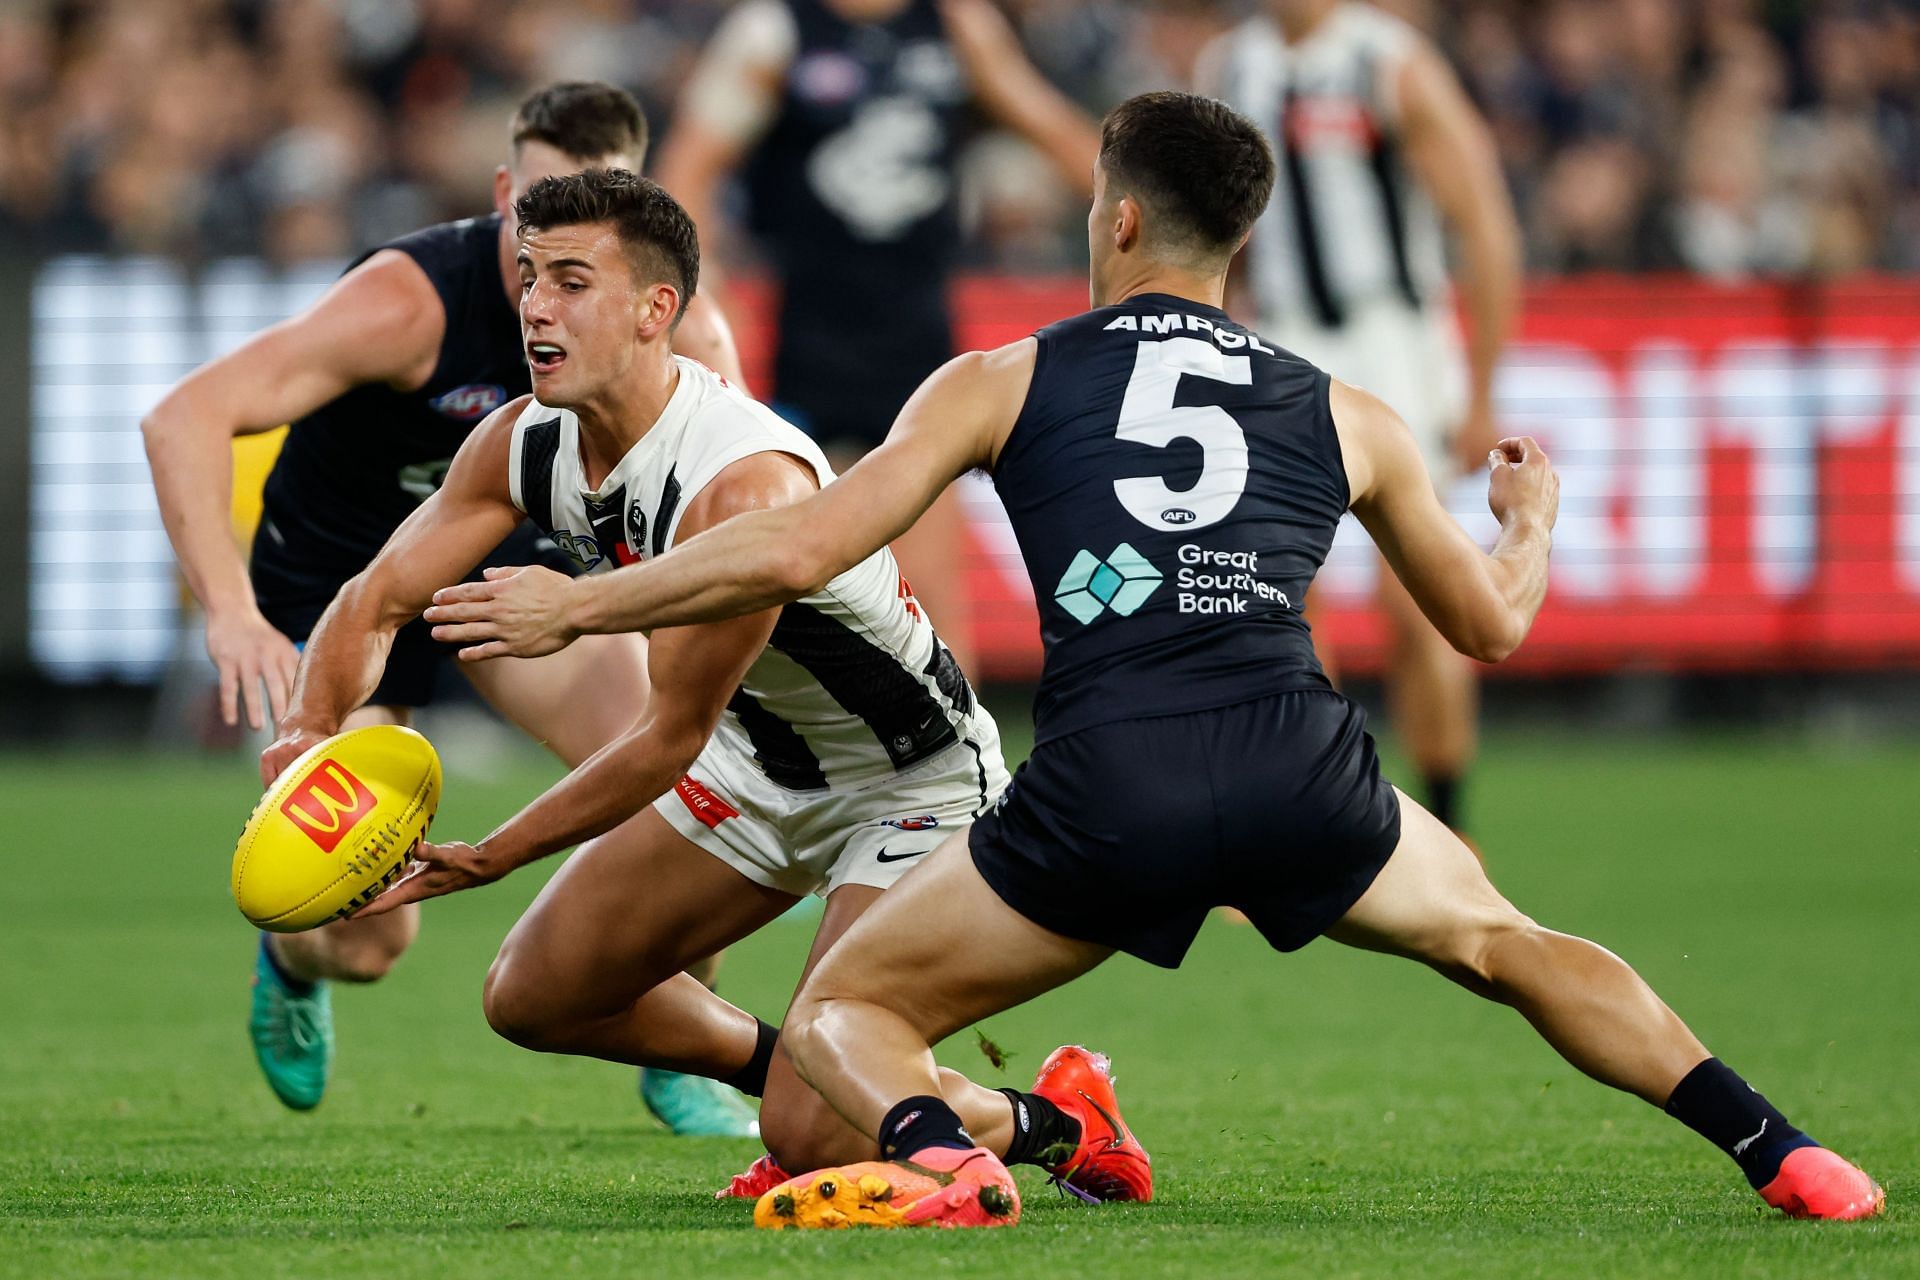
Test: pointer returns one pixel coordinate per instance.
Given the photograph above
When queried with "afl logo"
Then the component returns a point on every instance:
(580, 546)
(469, 403)
(925, 822)
(1177, 515)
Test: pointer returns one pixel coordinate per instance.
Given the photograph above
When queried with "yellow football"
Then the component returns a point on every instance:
(336, 828)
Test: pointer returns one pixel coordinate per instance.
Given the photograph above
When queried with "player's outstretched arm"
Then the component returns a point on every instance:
(955, 422)
(1482, 602)
(1451, 152)
(1013, 91)
(440, 542)
(731, 99)
(381, 322)
(693, 672)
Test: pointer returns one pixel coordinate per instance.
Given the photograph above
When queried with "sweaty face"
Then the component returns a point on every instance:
(579, 311)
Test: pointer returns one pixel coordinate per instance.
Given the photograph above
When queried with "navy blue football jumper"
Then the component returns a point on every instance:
(353, 469)
(852, 192)
(1174, 482)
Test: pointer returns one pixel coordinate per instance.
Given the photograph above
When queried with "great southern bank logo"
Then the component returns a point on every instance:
(1122, 582)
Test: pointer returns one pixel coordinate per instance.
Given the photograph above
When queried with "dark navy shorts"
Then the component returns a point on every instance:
(293, 595)
(1126, 834)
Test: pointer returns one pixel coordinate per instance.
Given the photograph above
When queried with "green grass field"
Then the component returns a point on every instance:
(1330, 1112)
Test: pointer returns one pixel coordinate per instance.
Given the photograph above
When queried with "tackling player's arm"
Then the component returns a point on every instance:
(440, 542)
(956, 421)
(693, 672)
(1012, 90)
(1451, 152)
(380, 323)
(1482, 602)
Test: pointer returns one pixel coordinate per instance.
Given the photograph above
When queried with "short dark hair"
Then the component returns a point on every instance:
(656, 232)
(585, 119)
(1204, 170)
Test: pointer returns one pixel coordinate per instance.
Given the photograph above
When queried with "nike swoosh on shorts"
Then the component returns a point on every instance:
(884, 856)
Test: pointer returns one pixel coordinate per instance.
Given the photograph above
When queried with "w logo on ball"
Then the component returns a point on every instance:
(327, 805)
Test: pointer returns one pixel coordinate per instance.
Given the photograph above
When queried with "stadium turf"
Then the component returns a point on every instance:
(1328, 1113)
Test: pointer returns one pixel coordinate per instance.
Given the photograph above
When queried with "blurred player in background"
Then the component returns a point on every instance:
(845, 117)
(382, 379)
(1377, 145)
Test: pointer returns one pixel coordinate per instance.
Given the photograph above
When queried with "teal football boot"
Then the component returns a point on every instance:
(292, 1034)
(694, 1106)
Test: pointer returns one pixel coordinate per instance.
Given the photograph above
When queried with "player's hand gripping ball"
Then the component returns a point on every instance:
(336, 828)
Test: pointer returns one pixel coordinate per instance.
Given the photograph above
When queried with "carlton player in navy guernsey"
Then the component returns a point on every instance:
(1174, 481)
(1380, 150)
(845, 118)
(382, 380)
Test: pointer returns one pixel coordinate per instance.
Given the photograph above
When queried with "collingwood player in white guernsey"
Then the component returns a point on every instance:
(852, 693)
(1378, 145)
(824, 746)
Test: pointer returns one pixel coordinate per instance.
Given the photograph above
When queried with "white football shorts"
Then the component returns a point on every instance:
(803, 842)
(1412, 359)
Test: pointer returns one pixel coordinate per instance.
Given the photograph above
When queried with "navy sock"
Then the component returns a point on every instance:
(1043, 1134)
(298, 986)
(752, 1078)
(1443, 798)
(919, 1123)
(1717, 1104)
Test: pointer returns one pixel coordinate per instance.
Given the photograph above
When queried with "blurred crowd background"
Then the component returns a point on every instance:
(1728, 138)
(1737, 416)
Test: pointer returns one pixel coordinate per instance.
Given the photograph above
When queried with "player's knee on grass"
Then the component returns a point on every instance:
(803, 1132)
(803, 1033)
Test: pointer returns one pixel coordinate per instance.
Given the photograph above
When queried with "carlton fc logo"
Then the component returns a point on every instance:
(469, 403)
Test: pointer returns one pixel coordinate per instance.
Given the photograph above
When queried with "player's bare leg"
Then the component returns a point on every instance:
(1432, 902)
(595, 965)
(862, 1028)
(861, 1032)
(802, 1132)
(575, 703)
(1433, 694)
(932, 558)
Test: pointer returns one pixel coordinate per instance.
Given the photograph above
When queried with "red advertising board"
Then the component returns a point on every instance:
(1740, 475)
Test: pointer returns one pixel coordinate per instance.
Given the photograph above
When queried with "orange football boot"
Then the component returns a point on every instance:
(938, 1187)
(1109, 1163)
(1814, 1182)
(762, 1176)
